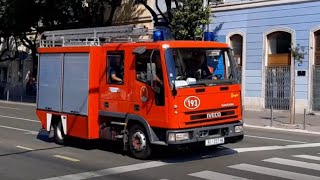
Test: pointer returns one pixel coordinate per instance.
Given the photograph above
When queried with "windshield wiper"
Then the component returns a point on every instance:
(197, 84)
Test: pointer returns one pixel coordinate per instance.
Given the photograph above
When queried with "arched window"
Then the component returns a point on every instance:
(317, 48)
(279, 44)
(316, 73)
(236, 43)
(278, 71)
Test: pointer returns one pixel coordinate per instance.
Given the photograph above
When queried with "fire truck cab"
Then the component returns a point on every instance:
(142, 93)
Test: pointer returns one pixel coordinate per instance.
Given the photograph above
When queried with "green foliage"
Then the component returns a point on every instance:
(189, 19)
(66, 14)
(298, 53)
(17, 18)
(21, 18)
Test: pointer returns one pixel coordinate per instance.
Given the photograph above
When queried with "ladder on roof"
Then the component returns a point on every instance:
(94, 36)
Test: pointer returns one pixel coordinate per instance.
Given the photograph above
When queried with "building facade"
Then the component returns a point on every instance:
(263, 34)
(131, 13)
(14, 73)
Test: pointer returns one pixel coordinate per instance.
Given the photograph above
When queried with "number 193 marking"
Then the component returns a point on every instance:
(192, 102)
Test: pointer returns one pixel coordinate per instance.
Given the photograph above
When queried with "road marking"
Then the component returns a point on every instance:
(25, 148)
(273, 172)
(289, 162)
(284, 140)
(110, 171)
(66, 158)
(24, 119)
(32, 133)
(18, 129)
(317, 158)
(9, 108)
(268, 148)
(209, 175)
(282, 129)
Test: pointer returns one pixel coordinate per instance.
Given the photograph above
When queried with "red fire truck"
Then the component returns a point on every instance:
(108, 83)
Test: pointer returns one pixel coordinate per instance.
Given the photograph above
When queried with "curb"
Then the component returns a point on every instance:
(17, 103)
(282, 129)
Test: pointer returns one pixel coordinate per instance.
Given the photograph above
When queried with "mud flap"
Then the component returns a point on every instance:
(125, 140)
(64, 124)
(49, 118)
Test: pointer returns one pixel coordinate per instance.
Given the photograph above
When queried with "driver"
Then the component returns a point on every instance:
(197, 66)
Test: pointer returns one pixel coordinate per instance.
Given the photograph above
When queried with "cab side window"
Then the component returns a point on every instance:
(115, 70)
(141, 66)
(142, 63)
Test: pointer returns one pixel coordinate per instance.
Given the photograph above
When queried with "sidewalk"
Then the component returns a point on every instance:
(281, 120)
(25, 100)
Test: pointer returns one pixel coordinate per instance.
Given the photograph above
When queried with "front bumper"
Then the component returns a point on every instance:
(201, 134)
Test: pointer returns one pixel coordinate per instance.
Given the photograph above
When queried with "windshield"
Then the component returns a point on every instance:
(199, 66)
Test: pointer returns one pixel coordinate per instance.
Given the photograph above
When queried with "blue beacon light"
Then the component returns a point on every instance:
(208, 36)
(158, 35)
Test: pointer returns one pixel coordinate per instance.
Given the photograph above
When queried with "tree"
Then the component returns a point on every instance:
(17, 18)
(22, 21)
(186, 19)
(67, 14)
(298, 53)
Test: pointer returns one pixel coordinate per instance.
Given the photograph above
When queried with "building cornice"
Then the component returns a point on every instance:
(253, 4)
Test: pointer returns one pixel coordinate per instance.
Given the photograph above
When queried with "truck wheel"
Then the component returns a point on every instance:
(59, 136)
(139, 144)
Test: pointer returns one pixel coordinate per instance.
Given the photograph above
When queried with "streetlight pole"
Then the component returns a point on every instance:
(205, 5)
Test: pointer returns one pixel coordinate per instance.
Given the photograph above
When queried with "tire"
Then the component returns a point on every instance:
(59, 136)
(138, 142)
(51, 134)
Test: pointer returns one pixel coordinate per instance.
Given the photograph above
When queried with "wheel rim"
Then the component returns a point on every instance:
(59, 133)
(139, 141)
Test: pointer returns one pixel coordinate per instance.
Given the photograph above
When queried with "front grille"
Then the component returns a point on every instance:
(211, 115)
(210, 120)
(204, 116)
(211, 110)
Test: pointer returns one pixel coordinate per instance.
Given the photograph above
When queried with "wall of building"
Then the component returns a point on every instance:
(255, 23)
(13, 79)
(131, 13)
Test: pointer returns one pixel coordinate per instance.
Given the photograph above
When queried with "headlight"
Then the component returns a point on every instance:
(178, 136)
(172, 137)
(182, 136)
(238, 129)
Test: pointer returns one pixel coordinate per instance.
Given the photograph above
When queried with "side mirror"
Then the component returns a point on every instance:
(174, 91)
(139, 50)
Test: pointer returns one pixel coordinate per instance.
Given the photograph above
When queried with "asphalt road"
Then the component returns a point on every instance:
(263, 154)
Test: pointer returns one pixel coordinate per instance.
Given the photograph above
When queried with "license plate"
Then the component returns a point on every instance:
(210, 142)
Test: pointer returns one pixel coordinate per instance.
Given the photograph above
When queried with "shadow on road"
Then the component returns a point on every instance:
(173, 155)
(27, 151)
(161, 153)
